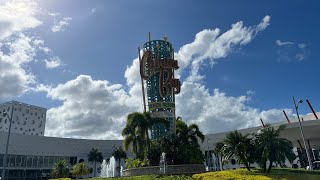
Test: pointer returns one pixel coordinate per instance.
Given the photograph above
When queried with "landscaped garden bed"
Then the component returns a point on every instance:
(256, 174)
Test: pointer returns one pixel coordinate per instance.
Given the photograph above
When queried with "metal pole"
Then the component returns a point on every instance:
(142, 86)
(302, 134)
(7, 145)
(208, 155)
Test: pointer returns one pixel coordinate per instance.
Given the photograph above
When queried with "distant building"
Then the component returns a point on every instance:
(26, 119)
(311, 128)
(31, 155)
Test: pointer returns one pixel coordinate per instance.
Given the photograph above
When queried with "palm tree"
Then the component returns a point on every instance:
(95, 156)
(150, 122)
(238, 146)
(136, 131)
(119, 154)
(60, 169)
(270, 146)
(80, 169)
(185, 143)
(218, 150)
(191, 132)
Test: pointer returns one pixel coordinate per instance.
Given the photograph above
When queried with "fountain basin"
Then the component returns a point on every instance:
(186, 169)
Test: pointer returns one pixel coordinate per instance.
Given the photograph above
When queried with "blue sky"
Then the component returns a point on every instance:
(91, 47)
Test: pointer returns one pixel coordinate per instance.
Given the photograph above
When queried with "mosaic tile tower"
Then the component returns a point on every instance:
(157, 67)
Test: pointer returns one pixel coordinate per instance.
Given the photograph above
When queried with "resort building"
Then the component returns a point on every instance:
(310, 125)
(31, 155)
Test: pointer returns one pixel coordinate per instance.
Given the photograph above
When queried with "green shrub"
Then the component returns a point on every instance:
(134, 163)
(256, 174)
(61, 179)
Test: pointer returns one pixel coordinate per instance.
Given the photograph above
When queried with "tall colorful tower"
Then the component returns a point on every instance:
(157, 66)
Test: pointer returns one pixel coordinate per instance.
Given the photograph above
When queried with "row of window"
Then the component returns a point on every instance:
(27, 111)
(23, 161)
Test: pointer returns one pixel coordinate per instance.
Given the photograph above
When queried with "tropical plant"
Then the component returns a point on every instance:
(95, 156)
(136, 131)
(270, 146)
(119, 154)
(238, 146)
(183, 148)
(80, 169)
(134, 163)
(218, 150)
(60, 169)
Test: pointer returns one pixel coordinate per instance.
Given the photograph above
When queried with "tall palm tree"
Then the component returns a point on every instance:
(95, 156)
(270, 146)
(238, 146)
(218, 150)
(119, 154)
(80, 169)
(60, 169)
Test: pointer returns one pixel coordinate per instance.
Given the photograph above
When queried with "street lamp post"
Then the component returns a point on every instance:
(7, 145)
(301, 131)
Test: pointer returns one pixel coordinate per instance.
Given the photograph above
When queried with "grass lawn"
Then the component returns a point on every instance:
(281, 174)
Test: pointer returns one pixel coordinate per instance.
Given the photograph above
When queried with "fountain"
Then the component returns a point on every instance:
(108, 169)
(162, 163)
(121, 170)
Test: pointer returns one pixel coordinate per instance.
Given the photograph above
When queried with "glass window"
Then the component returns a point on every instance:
(46, 161)
(1, 160)
(40, 161)
(23, 161)
(19, 161)
(29, 161)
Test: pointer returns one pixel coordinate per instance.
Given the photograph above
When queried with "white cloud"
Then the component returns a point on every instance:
(94, 10)
(97, 109)
(284, 43)
(61, 25)
(91, 109)
(211, 45)
(290, 51)
(53, 63)
(14, 79)
(17, 16)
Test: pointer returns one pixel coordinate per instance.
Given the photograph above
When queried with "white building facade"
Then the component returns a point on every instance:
(26, 118)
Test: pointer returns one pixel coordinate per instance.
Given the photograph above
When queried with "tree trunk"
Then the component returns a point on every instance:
(247, 166)
(94, 171)
(265, 166)
(270, 166)
(119, 167)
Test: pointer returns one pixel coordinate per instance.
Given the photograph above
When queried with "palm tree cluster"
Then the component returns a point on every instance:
(136, 132)
(265, 146)
(61, 169)
(182, 147)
